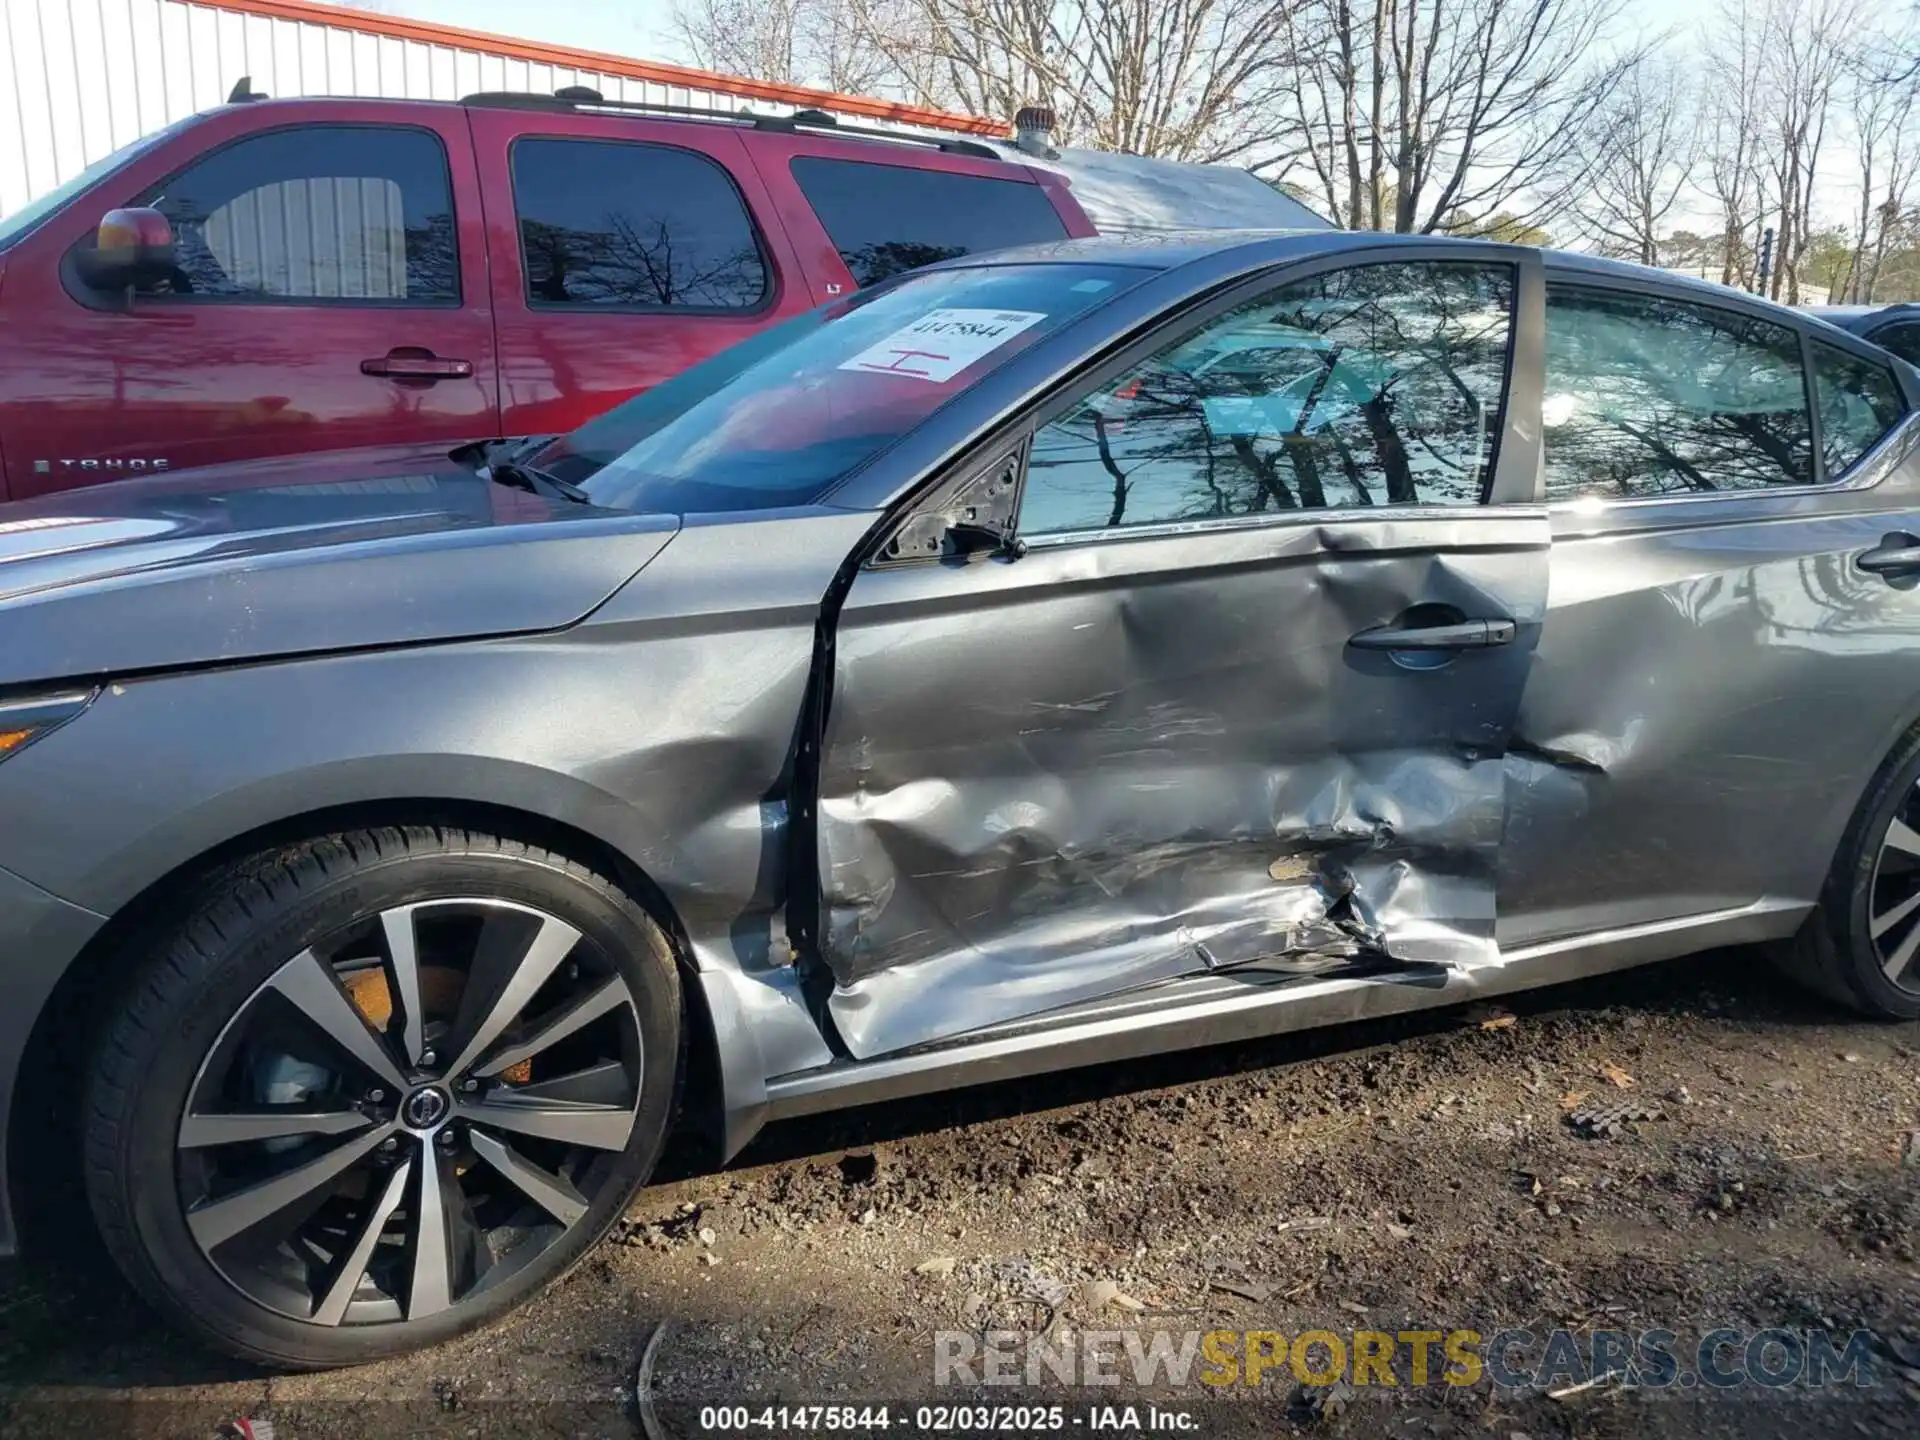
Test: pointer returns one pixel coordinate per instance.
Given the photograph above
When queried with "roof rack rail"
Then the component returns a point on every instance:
(578, 97)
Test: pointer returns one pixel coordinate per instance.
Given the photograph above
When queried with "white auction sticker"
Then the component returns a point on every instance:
(942, 343)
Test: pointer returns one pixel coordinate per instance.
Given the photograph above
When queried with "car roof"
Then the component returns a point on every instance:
(1861, 318)
(1120, 193)
(1125, 194)
(900, 140)
(1174, 249)
(1604, 268)
(1171, 249)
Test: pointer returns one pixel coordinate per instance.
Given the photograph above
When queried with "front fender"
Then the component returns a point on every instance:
(660, 727)
(111, 807)
(568, 728)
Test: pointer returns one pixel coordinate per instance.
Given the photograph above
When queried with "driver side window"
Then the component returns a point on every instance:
(339, 214)
(1375, 385)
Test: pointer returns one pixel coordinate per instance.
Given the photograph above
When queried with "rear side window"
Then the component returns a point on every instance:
(1903, 340)
(887, 218)
(320, 213)
(1647, 396)
(616, 225)
(1859, 402)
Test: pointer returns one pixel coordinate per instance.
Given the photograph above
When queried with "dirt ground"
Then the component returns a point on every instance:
(1418, 1174)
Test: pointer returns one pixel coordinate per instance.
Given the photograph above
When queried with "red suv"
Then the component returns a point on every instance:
(300, 275)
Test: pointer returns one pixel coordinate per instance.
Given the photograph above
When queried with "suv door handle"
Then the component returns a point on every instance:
(1896, 556)
(407, 363)
(1465, 635)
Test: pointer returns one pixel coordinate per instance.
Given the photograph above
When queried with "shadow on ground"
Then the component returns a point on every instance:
(71, 1323)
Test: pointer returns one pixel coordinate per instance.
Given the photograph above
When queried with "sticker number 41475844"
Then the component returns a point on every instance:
(942, 343)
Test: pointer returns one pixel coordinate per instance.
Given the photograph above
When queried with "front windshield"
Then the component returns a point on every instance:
(22, 221)
(783, 417)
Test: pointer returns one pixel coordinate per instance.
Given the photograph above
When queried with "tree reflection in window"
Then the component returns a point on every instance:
(888, 219)
(1859, 402)
(1651, 396)
(882, 260)
(1375, 385)
(633, 226)
(617, 263)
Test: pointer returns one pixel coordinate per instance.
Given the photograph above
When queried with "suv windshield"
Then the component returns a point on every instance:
(779, 419)
(28, 217)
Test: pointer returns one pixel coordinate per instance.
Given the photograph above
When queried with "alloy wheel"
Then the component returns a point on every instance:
(1893, 896)
(410, 1111)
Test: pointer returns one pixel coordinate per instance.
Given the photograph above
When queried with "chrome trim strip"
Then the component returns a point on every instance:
(1282, 520)
(1219, 1008)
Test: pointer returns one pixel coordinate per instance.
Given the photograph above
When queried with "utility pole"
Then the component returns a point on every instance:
(1766, 259)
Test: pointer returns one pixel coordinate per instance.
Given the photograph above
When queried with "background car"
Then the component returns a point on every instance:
(1892, 327)
(389, 856)
(279, 276)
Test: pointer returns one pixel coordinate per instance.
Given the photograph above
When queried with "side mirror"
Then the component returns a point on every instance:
(133, 248)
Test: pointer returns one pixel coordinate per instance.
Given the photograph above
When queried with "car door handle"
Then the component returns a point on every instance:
(1465, 635)
(416, 365)
(1895, 556)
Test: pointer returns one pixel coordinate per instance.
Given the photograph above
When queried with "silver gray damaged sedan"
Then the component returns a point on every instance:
(1040, 660)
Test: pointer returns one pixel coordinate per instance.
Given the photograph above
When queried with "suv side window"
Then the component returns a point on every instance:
(1859, 402)
(1374, 385)
(620, 225)
(884, 219)
(1902, 339)
(325, 213)
(1649, 396)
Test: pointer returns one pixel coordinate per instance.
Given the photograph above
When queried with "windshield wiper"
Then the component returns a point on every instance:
(527, 477)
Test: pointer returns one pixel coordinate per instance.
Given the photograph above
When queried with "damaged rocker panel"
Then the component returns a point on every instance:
(1220, 1009)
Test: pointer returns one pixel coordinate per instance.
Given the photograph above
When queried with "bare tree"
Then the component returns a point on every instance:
(1186, 79)
(1886, 128)
(754, 38)
(1413, 112)
(1781, 74)
(1893, 57)
(1808, 48)
(1886, 152)
(1487, 117)
(1645, 141)
(1735, 117)
(793, 42)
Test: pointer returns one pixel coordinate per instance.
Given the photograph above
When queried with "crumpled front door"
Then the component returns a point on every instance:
(1050, 779)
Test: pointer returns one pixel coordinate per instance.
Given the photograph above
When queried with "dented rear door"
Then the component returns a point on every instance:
(1243, 699)
(1720, 675)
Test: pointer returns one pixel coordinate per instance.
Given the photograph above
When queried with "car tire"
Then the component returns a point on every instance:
(1861, 946)
(207, 1015)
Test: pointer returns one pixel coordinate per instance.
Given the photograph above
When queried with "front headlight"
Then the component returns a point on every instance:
(24, 721)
